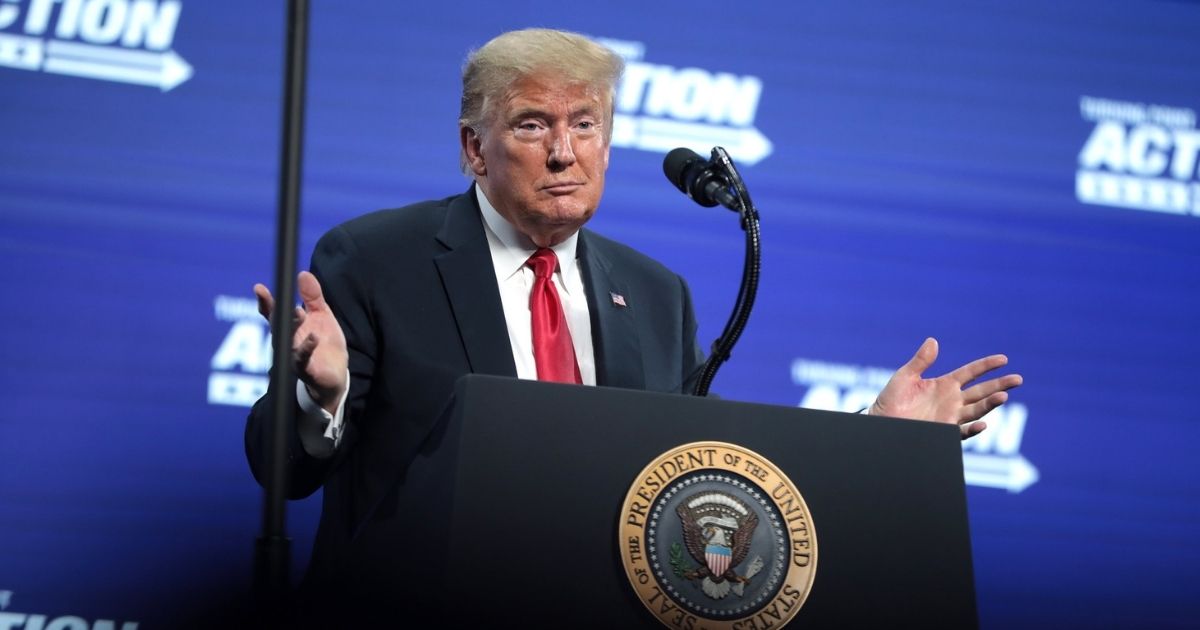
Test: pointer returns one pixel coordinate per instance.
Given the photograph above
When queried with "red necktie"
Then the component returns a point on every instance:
(552, 348)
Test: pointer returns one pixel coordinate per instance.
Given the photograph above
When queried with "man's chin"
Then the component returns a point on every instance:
(566, 216)
(552, 228)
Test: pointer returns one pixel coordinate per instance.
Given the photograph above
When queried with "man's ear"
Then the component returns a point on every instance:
(472, 148)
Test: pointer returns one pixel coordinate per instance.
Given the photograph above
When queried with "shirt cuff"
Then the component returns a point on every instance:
(320, 431)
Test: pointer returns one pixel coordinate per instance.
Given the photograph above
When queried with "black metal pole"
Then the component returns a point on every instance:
(273, 549)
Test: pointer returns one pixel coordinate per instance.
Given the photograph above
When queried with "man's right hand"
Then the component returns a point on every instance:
(318, 347)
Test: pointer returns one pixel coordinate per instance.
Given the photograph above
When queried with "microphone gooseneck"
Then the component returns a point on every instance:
(708, 183)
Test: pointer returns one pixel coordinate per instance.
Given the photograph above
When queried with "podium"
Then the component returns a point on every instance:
(537, 474)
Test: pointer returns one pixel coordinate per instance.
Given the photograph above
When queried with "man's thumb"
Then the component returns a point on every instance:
(310, 291)
(924, 358)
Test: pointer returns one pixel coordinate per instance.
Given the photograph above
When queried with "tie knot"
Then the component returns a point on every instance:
(543, 262)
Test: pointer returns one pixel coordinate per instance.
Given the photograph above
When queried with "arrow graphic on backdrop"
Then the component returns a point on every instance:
(747, 145)
(163, 70)
(1013, 473)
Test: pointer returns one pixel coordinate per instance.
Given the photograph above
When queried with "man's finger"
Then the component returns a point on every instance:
(298, 316)
(977, 368)
(972, 429)
(921, 361)
(266, 303)
(310, 292)
(987, 388)
(975, 411)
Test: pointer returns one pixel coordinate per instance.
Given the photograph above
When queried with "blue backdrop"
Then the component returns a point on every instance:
(1008, 177)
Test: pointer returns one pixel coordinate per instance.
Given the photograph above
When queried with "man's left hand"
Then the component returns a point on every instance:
(944, 399)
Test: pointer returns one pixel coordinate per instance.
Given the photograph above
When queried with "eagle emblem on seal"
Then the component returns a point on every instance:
(717, 529)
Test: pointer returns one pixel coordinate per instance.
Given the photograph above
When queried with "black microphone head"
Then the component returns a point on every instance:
(676, 165)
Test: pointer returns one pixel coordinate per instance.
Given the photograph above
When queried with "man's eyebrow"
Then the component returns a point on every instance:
(536, 112)
(528, 112)
(586, 110)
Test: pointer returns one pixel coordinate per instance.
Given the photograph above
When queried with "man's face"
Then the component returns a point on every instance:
(542, 159)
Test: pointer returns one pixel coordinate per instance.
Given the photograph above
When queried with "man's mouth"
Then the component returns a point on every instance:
(562, 188)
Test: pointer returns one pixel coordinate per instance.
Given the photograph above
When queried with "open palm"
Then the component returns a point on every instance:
(945, 398)
(318, 347)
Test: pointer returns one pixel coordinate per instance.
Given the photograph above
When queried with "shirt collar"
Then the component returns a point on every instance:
(511, 249)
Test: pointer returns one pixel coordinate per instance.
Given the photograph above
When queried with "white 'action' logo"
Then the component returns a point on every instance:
(125, 41)
(20, 621)
(660, 107)
(242, 361)
(1139, 156)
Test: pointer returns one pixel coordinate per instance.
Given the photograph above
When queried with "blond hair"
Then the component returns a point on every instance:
(491, 71)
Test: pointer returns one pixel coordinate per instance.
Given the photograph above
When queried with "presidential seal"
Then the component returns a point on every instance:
(713, 535)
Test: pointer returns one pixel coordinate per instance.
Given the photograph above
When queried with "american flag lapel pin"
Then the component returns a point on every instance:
(618, 299)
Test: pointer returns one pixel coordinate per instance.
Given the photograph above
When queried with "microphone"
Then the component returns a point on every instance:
(698, 178)
(708, 183)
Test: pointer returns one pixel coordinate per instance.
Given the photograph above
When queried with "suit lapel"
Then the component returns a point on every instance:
(614, 327)
(470, 284)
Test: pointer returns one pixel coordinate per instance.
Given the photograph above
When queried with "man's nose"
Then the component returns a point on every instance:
(562, 154)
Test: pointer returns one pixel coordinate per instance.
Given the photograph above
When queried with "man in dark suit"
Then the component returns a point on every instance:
(500, 280)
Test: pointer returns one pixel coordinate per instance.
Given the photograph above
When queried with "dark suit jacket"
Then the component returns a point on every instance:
(414, 291)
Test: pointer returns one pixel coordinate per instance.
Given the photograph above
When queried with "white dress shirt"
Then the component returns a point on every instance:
(320, 431)
(510, 251)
